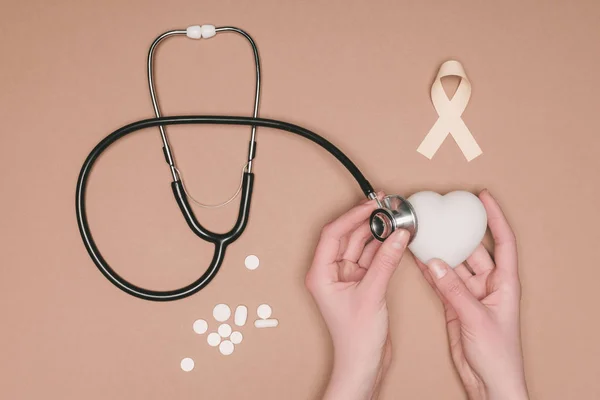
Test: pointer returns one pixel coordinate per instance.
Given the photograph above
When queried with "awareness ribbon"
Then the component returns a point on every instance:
(450, 112)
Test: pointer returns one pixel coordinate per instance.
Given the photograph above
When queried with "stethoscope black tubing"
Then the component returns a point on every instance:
(221, 241)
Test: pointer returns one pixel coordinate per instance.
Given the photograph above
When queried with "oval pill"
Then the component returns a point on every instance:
(241, 314)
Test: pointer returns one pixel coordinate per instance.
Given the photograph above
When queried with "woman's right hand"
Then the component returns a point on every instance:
(482, 313)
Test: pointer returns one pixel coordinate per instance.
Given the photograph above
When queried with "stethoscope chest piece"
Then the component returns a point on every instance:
(394, 213)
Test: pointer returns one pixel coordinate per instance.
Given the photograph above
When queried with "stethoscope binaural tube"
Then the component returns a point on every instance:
(220, 240)
(189, 32)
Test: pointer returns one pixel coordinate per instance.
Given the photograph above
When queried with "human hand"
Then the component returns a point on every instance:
(348, 279)
(482, 313)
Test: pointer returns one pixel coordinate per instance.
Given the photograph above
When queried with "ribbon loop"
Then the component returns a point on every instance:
(450, 112)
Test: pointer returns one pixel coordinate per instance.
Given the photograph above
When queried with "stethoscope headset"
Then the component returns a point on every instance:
(393, 212)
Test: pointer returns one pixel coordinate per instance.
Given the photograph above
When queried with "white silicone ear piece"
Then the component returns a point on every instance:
(208, 31)
(194, 32)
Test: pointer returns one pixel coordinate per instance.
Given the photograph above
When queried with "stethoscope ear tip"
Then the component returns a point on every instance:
(200, 32)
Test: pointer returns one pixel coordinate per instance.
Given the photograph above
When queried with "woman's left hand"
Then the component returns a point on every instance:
(348, 279)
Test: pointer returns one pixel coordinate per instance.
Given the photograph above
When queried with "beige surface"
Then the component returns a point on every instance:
(358, 73)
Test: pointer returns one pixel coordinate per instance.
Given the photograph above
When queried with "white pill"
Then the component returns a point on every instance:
(221, 312)
(236, 337)
(200, 326)
(187, 364)
(266, 323)
(264, 311)
(241, 314)
(226, 347)
(224, 330)
(213, 339)
(194, 32)
(252, 262)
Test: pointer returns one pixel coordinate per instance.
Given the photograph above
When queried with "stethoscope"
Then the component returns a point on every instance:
(393, 212)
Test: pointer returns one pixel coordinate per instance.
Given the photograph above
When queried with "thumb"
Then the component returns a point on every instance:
(385, 262)
(453, 289)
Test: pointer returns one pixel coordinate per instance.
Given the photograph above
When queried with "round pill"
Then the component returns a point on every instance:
(224, 330)
(187, 364)
(221, 312)
(213, 339)
(264, 311)
(200, 326)
(236, 337)
(226, 347)
(252, 262)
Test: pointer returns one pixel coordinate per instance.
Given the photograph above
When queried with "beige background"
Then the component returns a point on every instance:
(359, 74)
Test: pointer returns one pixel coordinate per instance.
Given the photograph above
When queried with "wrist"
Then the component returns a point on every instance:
(357, 355)
(355, 377)
(351, 382)
(505, 391)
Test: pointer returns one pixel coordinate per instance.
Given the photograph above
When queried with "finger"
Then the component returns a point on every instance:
(353, 257)
(328, 248)
(357, 242)
(462, 272)
(455, 292)
(425, 270)
(350, 272)
(480, 261)
(356, 275)
(427, 275)
(368, 253)
(384, 263)
(420, 264)
(505, 246)
(429, 278)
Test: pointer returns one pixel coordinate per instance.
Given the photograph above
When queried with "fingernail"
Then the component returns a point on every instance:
(399, 238)
(437, 268)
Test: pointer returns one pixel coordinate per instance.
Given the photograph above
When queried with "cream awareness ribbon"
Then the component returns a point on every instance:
(450, 111)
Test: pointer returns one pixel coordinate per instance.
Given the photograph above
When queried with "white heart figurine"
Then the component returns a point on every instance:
(449, 227)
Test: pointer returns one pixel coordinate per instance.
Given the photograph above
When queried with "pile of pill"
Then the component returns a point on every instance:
(225, 337)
